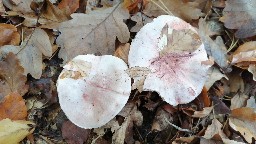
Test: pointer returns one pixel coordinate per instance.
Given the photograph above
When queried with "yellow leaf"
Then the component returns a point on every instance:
(12, 132)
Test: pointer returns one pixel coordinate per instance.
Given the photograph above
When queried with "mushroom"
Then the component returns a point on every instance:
(172, 51)
(93, 89)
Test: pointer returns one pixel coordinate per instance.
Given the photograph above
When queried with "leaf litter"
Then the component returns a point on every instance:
(222, 110)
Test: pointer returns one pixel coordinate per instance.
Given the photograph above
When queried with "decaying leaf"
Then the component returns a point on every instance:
(252, 69)
(31, 52)
(93, 33)
(2, 9)
(125, 131)
(238, 101)
(9, 35)
(74, 134)
(216, 48)
(244, 113)
(11, 76)
(246, 128)
(12, 132)
(214, 75)
(122, 52)
(172, 51)
(13, 107)
(141, 20)
(240, 14)
(205, 112)
(23, 6)
(139, 75)
(251, 102)
(70, 6)
(185, 10)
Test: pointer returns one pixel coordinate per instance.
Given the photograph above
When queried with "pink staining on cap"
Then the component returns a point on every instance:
(101, 90)
(173, 52)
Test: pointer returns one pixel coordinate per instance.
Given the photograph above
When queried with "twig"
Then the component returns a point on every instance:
(178, 128)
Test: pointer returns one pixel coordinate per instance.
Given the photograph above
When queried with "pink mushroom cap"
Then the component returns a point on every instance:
(178, 76)
(93, 89)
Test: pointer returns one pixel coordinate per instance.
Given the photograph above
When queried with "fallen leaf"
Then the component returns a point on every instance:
(244, 113)
(23, 6)
(205, 112)
(122, 52)
(236, 82)
(70, 6)
(185, 10)
(246, 128)
(132, 5)
(251, 102)
(161, 119)
(11, 76)
(132, 116)
(213, 129)
(240, 15)
(50, 16)
(219, 106)
(2, 9)
(141, 20)
(9, 35)
(214, 75)
(252, 69)
(238, 101)
(13, 107)
(139, 75)
(30, 52)
(216, 48)
(74, 134)
(12, 132)
(93, 33)
(245, 55)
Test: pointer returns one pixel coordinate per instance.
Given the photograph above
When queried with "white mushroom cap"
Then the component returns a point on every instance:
(93, 89)
(177, 72)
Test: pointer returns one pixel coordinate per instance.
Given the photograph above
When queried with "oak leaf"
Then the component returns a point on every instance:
(31, 52)
(11, 76)
(185, 10)
(93, 33)
(13, 107)
(240, 15)
(9, 35)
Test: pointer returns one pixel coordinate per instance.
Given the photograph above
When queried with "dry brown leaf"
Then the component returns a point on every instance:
(205, 112)
(187, 11)
(93, 33)
(11, 76)
(252, 69)
(70, 6)
(74, 134)
(141, 20)
(2, 9)
(13, 107)
(240, 15)
(214, 75)
(216, 48)
(238, 101)
(139, 75)
(122, 52)
(244, 113)
(213, 129)
(9, 35)
(204, 98)
(245, 55)
(246, 128)
(132, 5)
(236, 83)
(50, 17)
(31, 51)
(23, 6)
